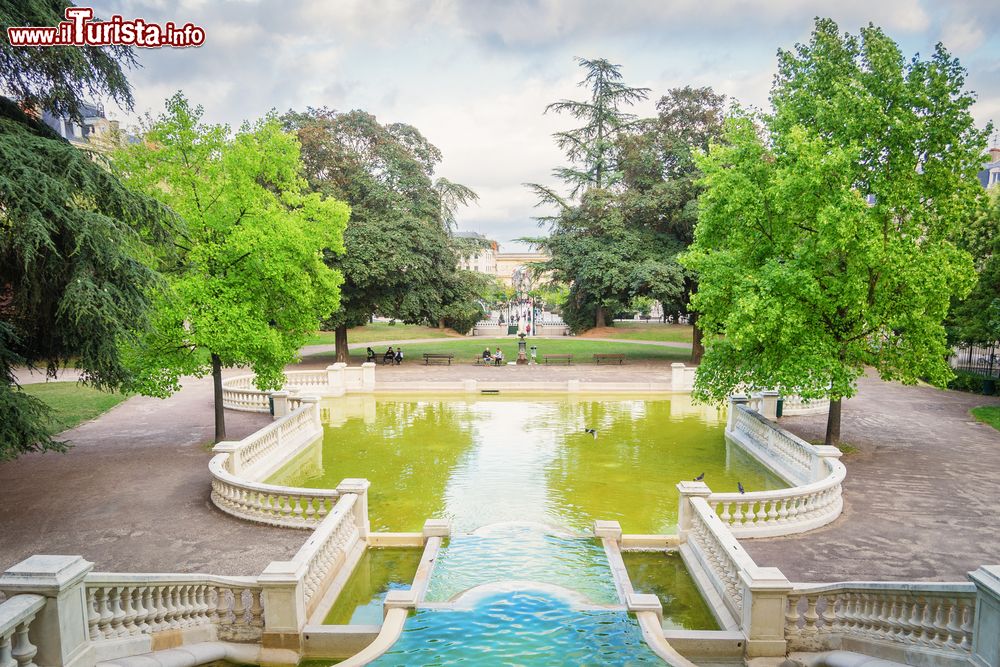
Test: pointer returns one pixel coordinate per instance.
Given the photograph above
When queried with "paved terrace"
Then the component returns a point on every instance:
(133, 494)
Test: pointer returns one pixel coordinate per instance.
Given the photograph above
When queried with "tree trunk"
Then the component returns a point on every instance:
(599, 320)
(440, 323)
(220, 411)
(833, 424)
(340, 342)
(697, 347)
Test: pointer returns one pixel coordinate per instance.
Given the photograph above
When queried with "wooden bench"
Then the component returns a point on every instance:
(566, 358)
(479, 361)
(620, 358)
(428, 358)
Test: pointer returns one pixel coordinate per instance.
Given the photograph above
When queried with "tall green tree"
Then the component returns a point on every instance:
(74, 242)
(824, 240)
(249, 283)
(587, 231)
(976, 319)
(399, 260)
(661, 187)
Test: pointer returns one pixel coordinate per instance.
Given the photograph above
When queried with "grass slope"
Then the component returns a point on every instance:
(676, 333)
(383, 331)
(988, 414)
(582, 349)
(72, 403)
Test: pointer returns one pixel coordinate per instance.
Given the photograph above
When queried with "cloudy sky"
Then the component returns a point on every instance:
(475, 75)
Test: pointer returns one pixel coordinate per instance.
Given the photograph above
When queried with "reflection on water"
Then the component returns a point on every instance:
(492, 459)
(520, 628)
(378, 572)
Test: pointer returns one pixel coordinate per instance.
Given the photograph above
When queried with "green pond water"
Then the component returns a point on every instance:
(664, 575)
(495, 459)
(378, 572)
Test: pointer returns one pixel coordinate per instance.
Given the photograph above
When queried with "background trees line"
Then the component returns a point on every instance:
(198, 247)
(825, 235)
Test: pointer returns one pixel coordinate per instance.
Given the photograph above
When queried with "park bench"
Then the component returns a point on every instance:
(428, 358)
(564, 358)
(598, 358)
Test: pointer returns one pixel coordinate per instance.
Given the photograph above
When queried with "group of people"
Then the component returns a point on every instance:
(389, 357)
(496, 358)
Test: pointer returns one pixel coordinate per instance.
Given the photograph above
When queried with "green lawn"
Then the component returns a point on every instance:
(582, 350)
(72, 403)
(989, 414)
(677, 333)
(382, 331)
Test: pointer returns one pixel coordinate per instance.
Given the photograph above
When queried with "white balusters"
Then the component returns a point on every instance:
(937, 617)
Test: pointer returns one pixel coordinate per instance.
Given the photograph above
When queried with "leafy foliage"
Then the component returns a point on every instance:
(976, 319)
(399, 260)
(73, 271)
(248, 284)
(824, 238)
(57, 78)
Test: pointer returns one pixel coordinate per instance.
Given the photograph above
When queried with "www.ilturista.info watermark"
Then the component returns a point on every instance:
(79, 30)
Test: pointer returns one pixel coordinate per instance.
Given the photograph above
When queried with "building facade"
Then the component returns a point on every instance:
(507, 267)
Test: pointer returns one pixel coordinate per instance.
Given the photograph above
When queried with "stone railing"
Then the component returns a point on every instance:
(16, 615)
(327, 549)
(120, 606)
(286, 506)
(793, 405)
(716, 550)
(909, 617)
(814, 471)
(787, 455)
(783, 511)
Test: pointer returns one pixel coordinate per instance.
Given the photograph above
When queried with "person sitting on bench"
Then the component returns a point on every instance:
(389, 356)
(371, 354)
(487, 357)
(498, 357)
(399, 356)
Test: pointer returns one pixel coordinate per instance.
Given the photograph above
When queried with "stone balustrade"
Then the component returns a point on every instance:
(120, 606)
(787, 455)
(794, 405)
(286, 506)
(782, 511)
(16, 616)
(328, 547)
(716, 550)
(921, 616)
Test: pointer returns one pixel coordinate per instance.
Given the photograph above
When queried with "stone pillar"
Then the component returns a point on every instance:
(359, 487)
(640, 602)
(368, 376)
(284, 605)
(689, 490)
(229, 447)
(60, 628)
(769, 404)
(335, 378)
(314, 402)
(280, 399)
(734, 400)
(765, 598)
(677, 377)
(986, 633)
(823, 452)
(611, 530)
(436, 528)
